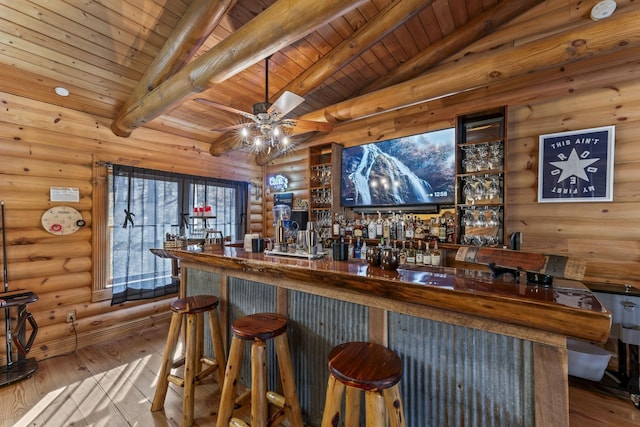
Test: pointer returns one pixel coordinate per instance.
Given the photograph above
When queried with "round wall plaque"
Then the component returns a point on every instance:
(62, 220)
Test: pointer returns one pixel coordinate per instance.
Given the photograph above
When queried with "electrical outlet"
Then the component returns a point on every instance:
(71, 316)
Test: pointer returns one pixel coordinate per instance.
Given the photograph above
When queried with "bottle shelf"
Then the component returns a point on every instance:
(480, 204)
(324, 182)
(488, 142)
(487, 172)
(481, 178)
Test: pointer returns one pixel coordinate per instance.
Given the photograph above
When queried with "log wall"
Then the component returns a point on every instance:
(43, 146)
(608, 233)
(598, 91)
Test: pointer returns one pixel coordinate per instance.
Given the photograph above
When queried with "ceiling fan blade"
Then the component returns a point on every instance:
(310, 126)
(225, 108)
(287, 102)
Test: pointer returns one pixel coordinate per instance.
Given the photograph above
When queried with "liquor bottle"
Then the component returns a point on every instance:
(419, 254)
(443, 229)
(386, 229)
(379, 226)
(336, 225)
(426, 258)
(451, 228)
(348, 229)
(393, 227)
(419, 230)
(363, 250)
(435, 255)
(357, 250)
(372, 229)
(403, 254)
(351, 248)
(365, 231)
(401, 227)
(411, 253)
(357, 228)
(410, 228)
(435, 228)
(364, 223)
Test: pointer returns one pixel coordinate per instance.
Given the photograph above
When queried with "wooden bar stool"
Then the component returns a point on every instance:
(258, 328)
(193, 308)
(369, 367)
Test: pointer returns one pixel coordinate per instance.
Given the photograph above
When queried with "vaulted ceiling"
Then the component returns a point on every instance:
(145, 62)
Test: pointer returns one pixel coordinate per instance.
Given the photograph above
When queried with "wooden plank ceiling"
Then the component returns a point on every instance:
(101, 49)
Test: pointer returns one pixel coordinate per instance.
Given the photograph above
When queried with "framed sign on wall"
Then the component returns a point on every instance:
(576, 166)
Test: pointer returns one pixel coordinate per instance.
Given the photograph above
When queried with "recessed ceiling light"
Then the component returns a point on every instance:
(62, 91)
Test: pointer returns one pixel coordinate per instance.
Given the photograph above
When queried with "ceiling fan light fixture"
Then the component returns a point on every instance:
(264, 137)
(269, 128)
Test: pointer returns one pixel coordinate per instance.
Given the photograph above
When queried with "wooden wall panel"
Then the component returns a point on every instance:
(606, 234)
(602, 92)
(42, 146)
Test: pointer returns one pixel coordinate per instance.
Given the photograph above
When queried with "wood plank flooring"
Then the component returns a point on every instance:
(112, 384)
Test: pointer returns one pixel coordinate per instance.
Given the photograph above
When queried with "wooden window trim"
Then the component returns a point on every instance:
(101, 290)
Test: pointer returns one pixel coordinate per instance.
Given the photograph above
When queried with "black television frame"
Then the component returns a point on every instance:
(419, 138)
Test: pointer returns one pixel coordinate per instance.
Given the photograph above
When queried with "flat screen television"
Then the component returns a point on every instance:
(412, 170)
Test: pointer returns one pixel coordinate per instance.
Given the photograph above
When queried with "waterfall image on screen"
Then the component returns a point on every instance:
(417, 169)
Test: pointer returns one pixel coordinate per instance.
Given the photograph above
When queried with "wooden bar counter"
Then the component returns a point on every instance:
(476, 351)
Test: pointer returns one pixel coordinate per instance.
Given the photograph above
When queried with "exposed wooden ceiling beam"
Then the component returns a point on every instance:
(194, 28)
(482, 25)
(475, 71)
(388, 19)
(477, 28)
(583, 41)
(277, 27)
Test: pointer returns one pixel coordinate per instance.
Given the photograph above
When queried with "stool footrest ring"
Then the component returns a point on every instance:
(173, 379)
(237, 422)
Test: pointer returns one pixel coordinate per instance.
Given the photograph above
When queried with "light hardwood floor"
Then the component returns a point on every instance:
(112, 384)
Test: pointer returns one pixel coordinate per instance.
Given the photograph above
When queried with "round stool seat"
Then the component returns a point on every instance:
(262, 326)
(195, 304)
(365, 365)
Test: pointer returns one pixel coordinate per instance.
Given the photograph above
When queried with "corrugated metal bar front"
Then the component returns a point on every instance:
(453, 375)
(457, 376)
(319, 324)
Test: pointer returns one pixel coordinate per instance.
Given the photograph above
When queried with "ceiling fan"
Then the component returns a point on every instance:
(268, 128)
